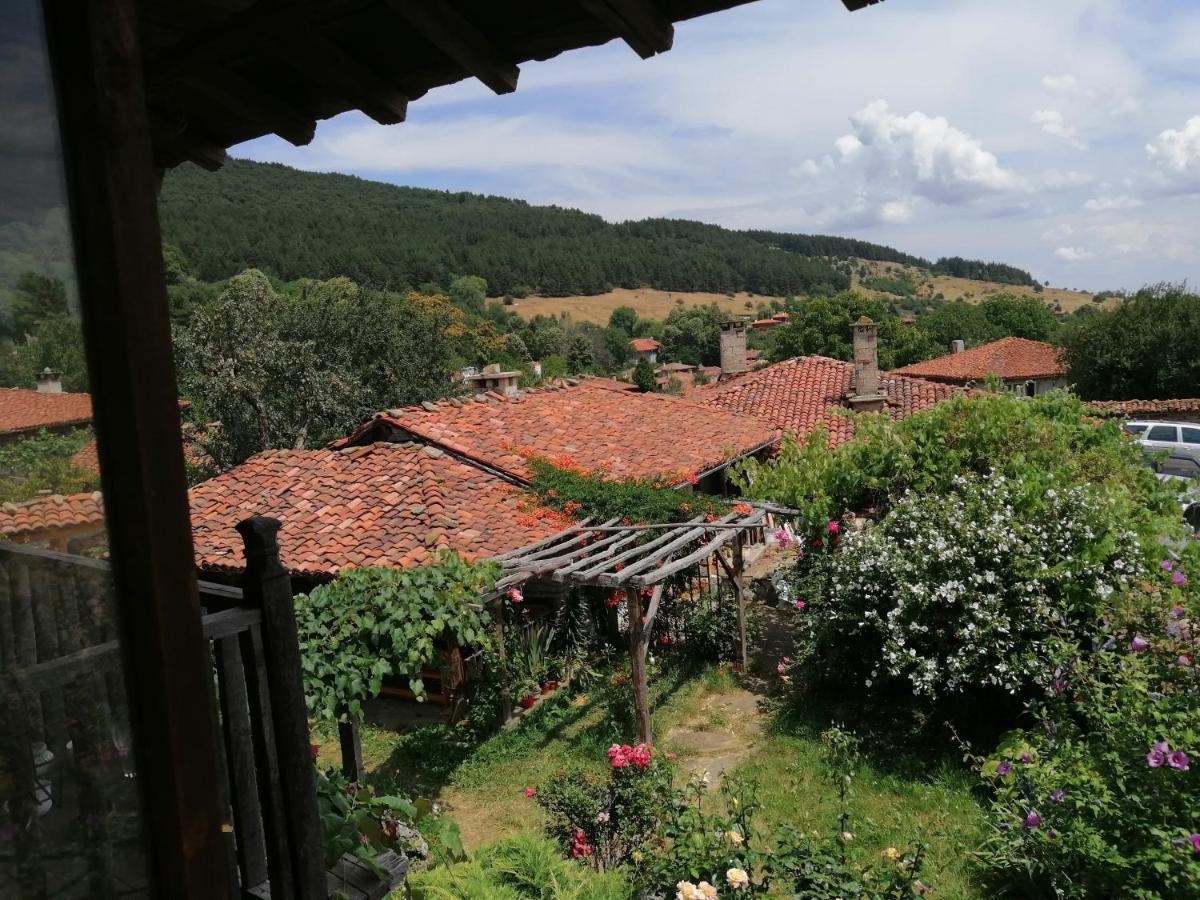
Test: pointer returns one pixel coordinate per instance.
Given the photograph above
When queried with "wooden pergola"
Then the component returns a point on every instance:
(637, 558)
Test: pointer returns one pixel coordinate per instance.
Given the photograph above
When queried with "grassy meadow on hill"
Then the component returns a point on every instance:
(656, 304)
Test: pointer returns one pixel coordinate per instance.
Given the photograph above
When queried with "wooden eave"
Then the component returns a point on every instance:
(220, 72)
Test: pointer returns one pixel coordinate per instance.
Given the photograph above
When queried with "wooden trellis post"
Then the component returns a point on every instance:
(733, 571)
(640, 625)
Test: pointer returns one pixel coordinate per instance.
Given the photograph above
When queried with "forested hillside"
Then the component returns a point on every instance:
(295, 224)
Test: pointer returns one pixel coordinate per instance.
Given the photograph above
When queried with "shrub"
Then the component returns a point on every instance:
(956, 591)
(1102, 798)
(520, 868)
(604, 821)
(370, 623)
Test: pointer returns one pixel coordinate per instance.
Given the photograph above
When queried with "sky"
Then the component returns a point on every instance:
(1061, 136)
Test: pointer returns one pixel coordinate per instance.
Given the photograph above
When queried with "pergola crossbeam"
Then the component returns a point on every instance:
(658, 556)
(709, 549)
(639, 550)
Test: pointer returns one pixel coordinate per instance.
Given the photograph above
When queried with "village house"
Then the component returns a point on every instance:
(24, 412)
(1029, 368)
(808, 392)
(617, 433)
(645, 348)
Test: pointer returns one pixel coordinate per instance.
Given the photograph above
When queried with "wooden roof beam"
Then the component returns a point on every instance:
(444, 27)
(854, 5)
(245, 101)
(383, 101)
(639, 23)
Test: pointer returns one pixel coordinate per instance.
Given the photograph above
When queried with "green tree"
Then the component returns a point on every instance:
(580, 356)
(959, 322)
(469, 292)
(1147, 348)
(617, 343)
(643, 376)
(692, 334)
(36, 298)
(1024, 317)
(624, 319)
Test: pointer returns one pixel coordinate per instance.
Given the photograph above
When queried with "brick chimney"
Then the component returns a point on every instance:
(49, 381)
(865, 395)
(733, 347)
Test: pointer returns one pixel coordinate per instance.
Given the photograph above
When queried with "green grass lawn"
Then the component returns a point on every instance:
(483, 785)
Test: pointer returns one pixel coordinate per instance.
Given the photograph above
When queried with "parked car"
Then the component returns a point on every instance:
(1174, 462)
(1165, 435)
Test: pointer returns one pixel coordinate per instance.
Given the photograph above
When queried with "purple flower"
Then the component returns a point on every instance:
(1139, 644)
(1183, 661)
(1176, 612)
(1178, 760)
(1194, 840)
(1174, 630)
(1179, 578)
(1058, 796)
(1026, 758)
(1166, 565)
(1155, 759)
(1004, 768)
(1033, 820)
(1060, 685)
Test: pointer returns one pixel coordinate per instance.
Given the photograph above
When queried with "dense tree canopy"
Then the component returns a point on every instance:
(298, 369)
(1147, 348)
(982, 271)
(294, 224)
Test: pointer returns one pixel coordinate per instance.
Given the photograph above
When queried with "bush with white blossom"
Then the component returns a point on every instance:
(962, 589)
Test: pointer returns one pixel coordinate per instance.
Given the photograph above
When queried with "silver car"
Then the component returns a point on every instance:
(1165, 435)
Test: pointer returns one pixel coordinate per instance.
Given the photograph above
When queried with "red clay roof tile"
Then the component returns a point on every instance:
(626, 435)
(26, 410)
(1186, 405)
(48, 514)
(799, 394)
(644, 345)
(372, 505)
(1009, 358)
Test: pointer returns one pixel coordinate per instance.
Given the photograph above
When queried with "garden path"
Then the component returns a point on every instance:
(720, 735)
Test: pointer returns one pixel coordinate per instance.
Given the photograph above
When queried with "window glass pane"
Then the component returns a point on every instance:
(1163, 433)
(1134, 429)
(69, 813)
(1191, 435)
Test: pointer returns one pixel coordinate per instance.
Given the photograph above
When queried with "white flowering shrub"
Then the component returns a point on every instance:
(963, 589)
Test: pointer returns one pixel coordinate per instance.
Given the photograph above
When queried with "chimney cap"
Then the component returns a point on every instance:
(864, 320)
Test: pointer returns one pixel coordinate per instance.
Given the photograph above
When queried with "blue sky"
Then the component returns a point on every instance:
(1062, 136)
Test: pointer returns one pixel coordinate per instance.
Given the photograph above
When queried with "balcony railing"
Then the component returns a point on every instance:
(68, 777)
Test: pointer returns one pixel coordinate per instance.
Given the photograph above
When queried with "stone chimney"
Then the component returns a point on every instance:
(958, 346)
(49, 381)
(493, 379)
(733, 347)
(865, 395)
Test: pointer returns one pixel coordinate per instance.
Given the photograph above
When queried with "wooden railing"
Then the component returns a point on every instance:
(61, 689)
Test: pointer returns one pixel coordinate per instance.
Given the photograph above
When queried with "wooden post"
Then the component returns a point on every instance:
(112, 203)
(506, 709)
(350, 739)
(739, 593)
(268, 586)
(639, 637)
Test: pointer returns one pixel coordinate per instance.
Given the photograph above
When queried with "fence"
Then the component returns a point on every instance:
(68, 772)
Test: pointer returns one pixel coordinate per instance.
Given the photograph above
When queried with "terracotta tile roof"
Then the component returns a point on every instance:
(765, 323)
(610, 384)
(1009, 358)
(26, 410)
(624, 434)
(799, 394)
(1189, 405)
(377, 505)
(645, 345)
(87, 457)
(53, 513)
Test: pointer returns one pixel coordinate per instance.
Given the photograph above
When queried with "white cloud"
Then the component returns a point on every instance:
(897, 212)
(1065, 85)
(1178, 150)
(811, 168)
(923, 154)
(1073, 254)
(1052, 122)
(1058, 233)
(1054, 180)
(1108, 202)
